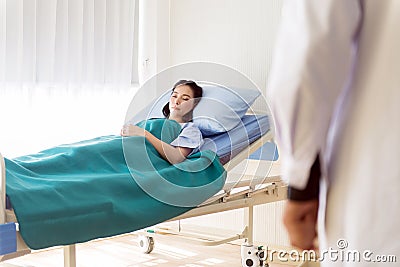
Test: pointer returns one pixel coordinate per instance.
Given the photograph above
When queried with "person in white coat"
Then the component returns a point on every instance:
(334, 92)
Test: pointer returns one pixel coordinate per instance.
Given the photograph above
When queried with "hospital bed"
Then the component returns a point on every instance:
(244, 193)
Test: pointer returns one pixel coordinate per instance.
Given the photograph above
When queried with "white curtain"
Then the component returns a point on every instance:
(68, 70)
(67, 43)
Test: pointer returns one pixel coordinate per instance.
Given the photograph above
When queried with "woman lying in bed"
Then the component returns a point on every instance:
(184, 98)
(115, 184)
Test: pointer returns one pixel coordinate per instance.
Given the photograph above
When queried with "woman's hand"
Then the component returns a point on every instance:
(132, 130)
(170, 153)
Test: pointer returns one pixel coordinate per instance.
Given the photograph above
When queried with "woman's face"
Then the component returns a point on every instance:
(181, 101)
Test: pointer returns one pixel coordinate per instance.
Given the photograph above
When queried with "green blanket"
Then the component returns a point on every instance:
(106, 186)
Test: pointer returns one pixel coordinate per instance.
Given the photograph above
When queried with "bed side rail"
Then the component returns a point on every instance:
(268, 136)
(14, 246)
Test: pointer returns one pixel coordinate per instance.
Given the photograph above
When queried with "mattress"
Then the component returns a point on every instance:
(229, 144)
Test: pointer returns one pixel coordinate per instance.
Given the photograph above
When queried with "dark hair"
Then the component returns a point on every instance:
(197, 94)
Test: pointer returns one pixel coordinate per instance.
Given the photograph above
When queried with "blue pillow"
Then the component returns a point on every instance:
(219, 110)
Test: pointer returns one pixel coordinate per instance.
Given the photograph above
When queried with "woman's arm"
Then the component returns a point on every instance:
(170, 153)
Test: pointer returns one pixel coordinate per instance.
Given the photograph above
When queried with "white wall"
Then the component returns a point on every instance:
(154, 48)
(236, 33)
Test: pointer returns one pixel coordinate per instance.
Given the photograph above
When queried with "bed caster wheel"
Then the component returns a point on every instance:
(252, 256)
(146, 244)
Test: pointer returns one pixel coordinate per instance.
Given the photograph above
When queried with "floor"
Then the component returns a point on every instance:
(123, 251)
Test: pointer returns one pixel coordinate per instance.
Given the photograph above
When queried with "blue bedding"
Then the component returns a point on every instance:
(229, 144)
(106, 186)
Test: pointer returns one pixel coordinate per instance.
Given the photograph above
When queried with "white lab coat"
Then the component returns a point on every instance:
(327, 99)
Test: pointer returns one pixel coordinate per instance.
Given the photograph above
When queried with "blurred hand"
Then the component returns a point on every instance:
(132, 130)
(300, 219)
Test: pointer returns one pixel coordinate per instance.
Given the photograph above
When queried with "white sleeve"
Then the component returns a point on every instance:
(190, 137)
(311, 66)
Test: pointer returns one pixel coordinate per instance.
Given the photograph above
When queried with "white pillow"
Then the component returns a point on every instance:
(219, 110)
